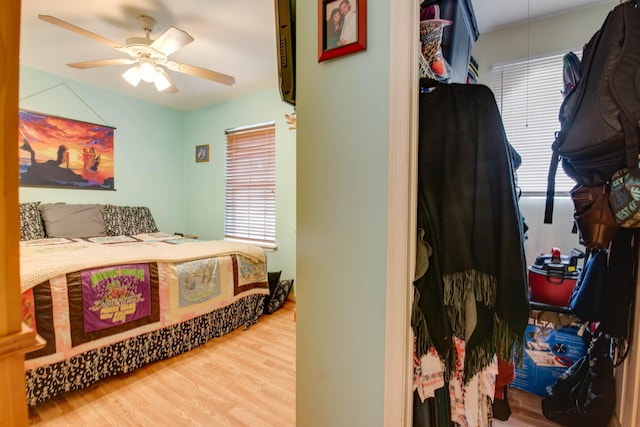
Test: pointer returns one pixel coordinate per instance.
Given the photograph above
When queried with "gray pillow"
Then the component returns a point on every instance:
(73, 220)
(30, 222)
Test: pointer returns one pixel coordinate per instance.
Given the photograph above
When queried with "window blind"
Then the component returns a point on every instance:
(250, 185)
(529, 95)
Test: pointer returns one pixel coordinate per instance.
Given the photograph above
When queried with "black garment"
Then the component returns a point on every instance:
(467, 205)
(618, 300)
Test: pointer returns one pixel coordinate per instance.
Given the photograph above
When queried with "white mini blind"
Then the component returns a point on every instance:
(529, 95)
(250, 184)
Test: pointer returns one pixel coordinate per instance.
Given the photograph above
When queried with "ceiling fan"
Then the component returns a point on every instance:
(146, 55)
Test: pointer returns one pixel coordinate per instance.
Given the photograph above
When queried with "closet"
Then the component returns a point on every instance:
(470, 294)
(495, 47)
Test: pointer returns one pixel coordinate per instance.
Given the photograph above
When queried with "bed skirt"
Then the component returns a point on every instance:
(80, 371)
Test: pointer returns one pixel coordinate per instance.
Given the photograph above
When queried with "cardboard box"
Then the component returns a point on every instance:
(550, 348)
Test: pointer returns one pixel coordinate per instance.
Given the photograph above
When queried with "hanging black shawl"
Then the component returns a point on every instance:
(475, 287)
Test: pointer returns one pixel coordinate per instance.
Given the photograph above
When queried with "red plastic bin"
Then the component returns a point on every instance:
(552, 278)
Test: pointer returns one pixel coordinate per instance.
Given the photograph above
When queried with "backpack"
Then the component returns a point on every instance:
(600, 116)
(585, 394)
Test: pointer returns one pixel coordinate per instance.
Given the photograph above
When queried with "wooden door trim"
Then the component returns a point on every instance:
(14, 340)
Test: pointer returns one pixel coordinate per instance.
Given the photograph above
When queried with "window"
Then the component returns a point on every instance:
(529, 95)
(250, 185)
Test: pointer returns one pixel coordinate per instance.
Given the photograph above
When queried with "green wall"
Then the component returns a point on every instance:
(154, 156)
(148, 152)
(204, 182)
(342, 160)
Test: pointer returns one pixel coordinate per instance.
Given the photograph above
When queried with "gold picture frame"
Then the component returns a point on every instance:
(202, 153)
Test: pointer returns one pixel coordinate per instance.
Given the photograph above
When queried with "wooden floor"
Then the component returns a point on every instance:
(245, 378)
(526, 411)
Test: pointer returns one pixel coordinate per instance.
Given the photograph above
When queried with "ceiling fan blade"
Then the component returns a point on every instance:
(76, 29)
(171, 40)
(172, 88)
(202, 72)
(101, 63)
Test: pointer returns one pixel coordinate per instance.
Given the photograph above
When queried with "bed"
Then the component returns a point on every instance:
(109, 293)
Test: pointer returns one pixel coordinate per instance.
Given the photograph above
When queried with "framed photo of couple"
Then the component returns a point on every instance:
(342, 27)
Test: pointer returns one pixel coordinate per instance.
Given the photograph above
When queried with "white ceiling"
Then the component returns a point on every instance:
(235, 37)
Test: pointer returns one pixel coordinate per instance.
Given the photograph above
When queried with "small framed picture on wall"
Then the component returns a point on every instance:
(202, 153)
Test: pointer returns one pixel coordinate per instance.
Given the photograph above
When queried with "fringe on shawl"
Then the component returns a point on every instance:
(510, 344)
(504, 343)
(457, 288)
(421, 332)
(419, 325)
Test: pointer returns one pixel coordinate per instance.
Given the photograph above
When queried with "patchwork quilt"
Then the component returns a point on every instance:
(90, 298)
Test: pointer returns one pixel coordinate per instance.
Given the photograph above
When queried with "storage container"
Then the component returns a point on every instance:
(550, 348)
(553, 276)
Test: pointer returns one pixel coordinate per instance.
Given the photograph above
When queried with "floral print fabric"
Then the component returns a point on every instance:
(128, 220)
(279, 296)
(31, 227)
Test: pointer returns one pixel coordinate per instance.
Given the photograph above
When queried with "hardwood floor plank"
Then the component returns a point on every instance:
(526, 411)
(244, 378)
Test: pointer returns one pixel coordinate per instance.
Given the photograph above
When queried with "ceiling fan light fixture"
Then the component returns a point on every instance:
(132, 75)
(162, 82)
(147, 71)
(146, 55)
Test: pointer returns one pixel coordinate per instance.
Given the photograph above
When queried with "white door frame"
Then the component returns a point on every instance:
(401, 211)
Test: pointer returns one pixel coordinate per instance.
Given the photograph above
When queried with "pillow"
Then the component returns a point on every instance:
(128, 220)
(30, 222)
(279, 296)
(73, 220)
(274, 278)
